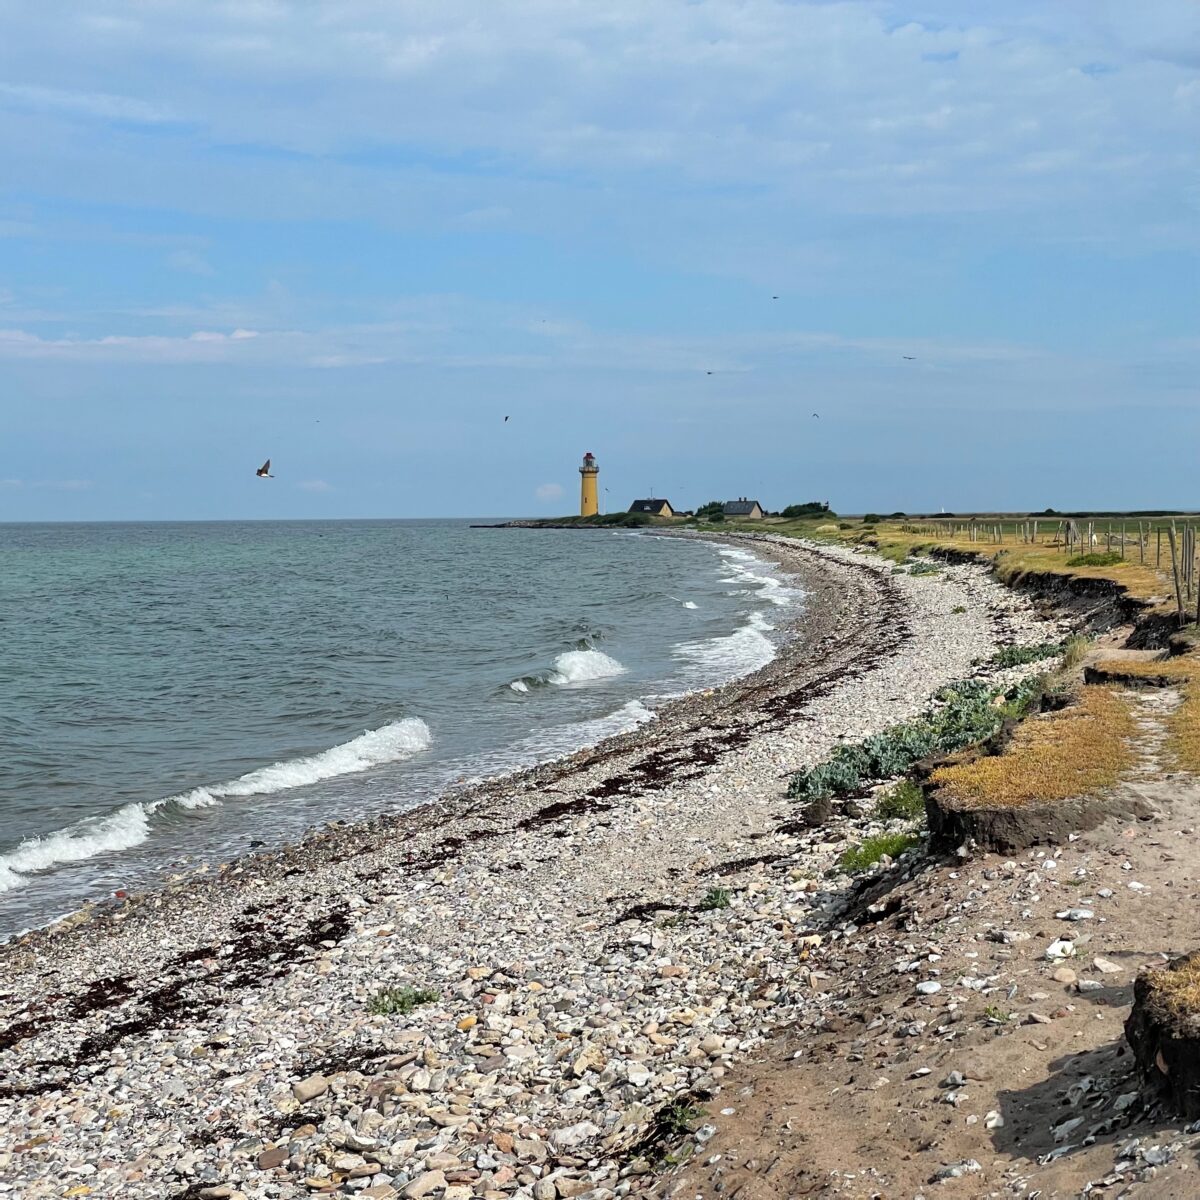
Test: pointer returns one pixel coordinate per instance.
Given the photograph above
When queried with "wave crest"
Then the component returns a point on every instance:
(582, 666)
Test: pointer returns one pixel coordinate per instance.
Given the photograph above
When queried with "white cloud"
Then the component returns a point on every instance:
(548, 492)
(315, 485)
(189, 262)
(100, 105)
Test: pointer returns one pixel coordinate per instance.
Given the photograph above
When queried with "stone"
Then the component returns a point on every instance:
(275, 1157)
(1063, 975)
(425, 1184)
(310, 1088)
(1106, 966)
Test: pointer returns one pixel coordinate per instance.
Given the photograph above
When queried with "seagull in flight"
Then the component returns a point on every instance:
(817, 415)
(708, 372)
(909, 357)
(506, 420)
(264, 472)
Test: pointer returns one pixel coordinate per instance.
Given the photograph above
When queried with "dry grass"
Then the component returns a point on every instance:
(1182, 668)
(1012, 558)
(1178, 988)
(1183, 738)
(1073, 752)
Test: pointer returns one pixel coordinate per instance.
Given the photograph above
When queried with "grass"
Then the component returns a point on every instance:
(1105, 558)
(716, 898)
(1178, 987)
(1017, 656)
(904, 802)
(996, 1014)
(400, 1001)
(1074, 752)
(869, 851)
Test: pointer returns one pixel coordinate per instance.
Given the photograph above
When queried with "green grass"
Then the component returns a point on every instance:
(1018, 656)
(904, 802)
(1097, 558)
(996, 1014)
(869, 851)
(400, 1001)
(714, 899)
(924, 568)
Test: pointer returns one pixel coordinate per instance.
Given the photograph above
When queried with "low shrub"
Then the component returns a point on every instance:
(869, 851)
(924, 568)
(1101, 558)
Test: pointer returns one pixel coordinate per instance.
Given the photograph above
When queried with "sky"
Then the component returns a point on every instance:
(354, 237)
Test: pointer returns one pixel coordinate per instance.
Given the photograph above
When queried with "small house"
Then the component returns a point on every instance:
(653, 508)
(748, 510)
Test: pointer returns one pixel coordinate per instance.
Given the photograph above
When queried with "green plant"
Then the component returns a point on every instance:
(900, 803)
(871, 518)
(996, 1014)
(1016, 656)
(399, 1001)
(1073, 650)
(716, 898)
(676, 1120)
(712, 509)
(845, 525)
(958, 609)
(1101, 558)
(869, 851)
(924, 568)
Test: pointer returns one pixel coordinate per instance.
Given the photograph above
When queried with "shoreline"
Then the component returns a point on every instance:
(455, 800)
(506, 892)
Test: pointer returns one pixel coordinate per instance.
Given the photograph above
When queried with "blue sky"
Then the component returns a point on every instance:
(354, 237)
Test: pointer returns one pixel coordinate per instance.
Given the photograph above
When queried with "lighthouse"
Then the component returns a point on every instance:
(589, 488)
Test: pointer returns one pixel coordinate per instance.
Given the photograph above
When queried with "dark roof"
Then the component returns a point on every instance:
(740, 508)
(654, 507)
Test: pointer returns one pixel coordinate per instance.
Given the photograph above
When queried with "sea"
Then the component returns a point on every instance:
(178, 693)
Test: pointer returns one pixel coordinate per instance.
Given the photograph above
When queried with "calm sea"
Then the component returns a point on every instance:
(175, 692)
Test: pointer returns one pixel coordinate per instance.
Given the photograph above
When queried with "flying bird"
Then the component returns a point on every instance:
(909, 357)
(264, 472)
(774, 297)
(708, 372)
(506, 420)
(817, 415)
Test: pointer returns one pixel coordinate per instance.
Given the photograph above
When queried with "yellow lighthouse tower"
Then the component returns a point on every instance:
(589, 489)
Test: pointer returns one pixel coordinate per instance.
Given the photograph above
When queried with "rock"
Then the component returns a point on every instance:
(310, 1088)
(1106, 966)
(275, 1157)
(220, 1191)
(1060, 948)
(1063, 975)
(425, 1184)
(929, 988)
(1075, 914)
(1036, 1018)
(544, 1189)
(574, 1135)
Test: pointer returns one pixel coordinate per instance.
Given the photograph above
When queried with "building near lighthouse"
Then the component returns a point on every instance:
(589, 486)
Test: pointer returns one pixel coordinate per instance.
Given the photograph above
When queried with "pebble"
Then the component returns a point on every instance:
(554, 1034)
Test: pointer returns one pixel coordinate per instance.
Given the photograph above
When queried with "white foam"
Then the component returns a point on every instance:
(389, 743)
(130, 825)
(690, 604)
(582, 666)
(738, 653)
(126, 827)
(519, 685)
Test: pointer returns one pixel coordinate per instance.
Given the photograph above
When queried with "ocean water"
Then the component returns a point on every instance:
(171, 693)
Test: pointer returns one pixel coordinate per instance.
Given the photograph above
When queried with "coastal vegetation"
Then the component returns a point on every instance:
(871, 850)
(1077, 751)
(400, 1001)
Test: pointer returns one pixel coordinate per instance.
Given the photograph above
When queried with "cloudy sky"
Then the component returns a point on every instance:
(354, 237)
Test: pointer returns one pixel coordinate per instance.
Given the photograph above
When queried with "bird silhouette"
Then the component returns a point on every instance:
(506, 420)
(774, 297)
(909, 357)
(708, 372)
(264, 472)
(817, 415)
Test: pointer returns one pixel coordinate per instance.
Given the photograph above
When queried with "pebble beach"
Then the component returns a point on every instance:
(506, 993)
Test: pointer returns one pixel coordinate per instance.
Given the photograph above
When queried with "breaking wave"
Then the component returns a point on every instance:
(130, 825)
